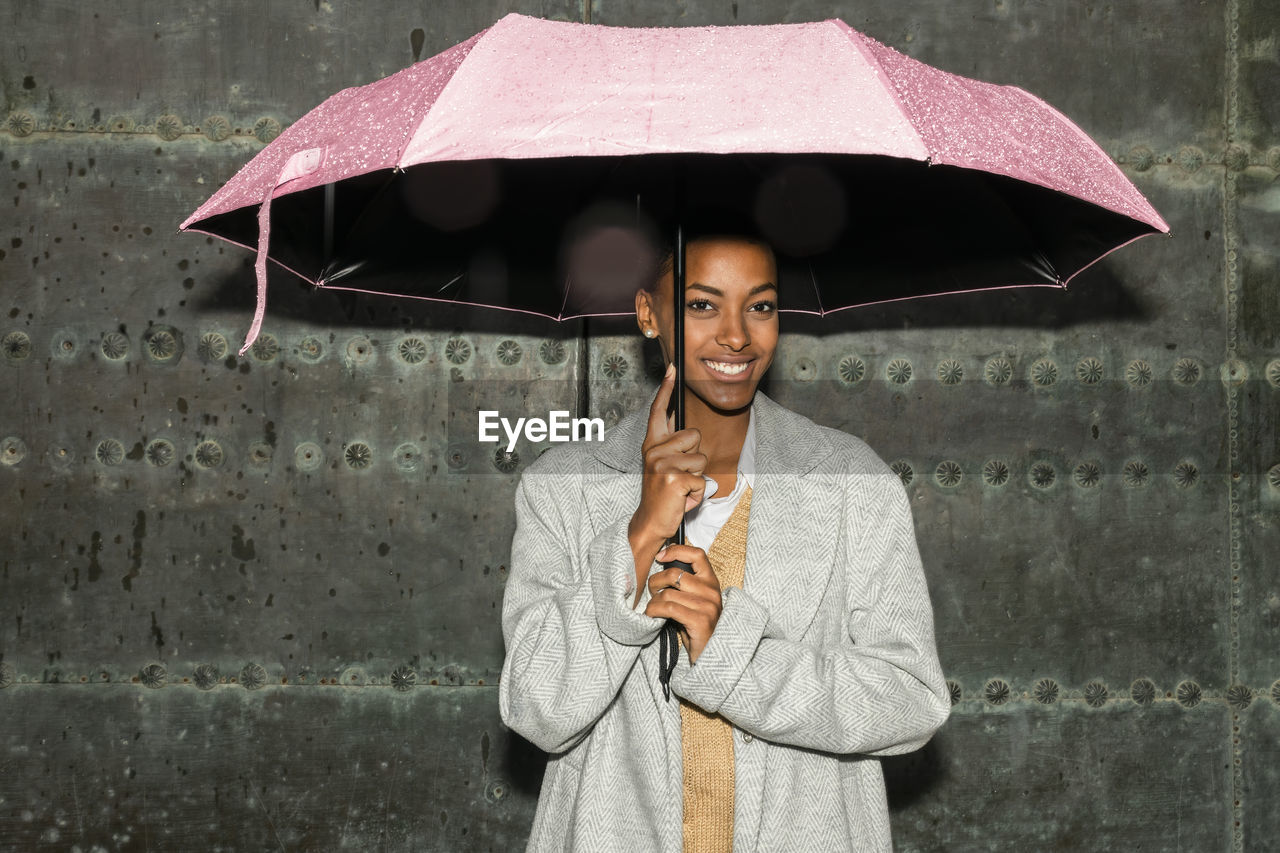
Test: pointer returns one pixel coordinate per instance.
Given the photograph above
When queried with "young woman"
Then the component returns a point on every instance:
(806, 627)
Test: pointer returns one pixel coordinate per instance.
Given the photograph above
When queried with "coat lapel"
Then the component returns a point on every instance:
(795, 517)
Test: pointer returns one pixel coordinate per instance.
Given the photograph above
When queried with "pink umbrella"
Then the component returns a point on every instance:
(939, 183)
(907, 180)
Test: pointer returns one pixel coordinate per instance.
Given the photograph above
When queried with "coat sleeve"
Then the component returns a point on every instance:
(571, 633)
(879, 690)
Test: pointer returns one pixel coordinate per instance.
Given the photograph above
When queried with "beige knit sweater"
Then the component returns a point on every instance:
(707, 739)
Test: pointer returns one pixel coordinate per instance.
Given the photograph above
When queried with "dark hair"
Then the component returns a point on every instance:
(706, 224)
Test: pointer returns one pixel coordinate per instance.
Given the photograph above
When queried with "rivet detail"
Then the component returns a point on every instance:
(308, 456)
(950, 372)
(1273, 373)
(404, 678)
(168, 127)
(1239, 697)
(1042, 475)
(21, 124)
(505, 460)
(253, 676)
(902, 468)
(1087, 474)
(1044, 372)
(851, 369)
(213, 346)
(265, 348)
(1136, 473)
(1142, 158)
(552, 351)
(208, 454)
(357, 455)
(1089, 370)
(205, 676)
(12, 450)
(457, 350)
(260, 454)
(161, 344)
(1190, 159)
(948, 474)
(153, 675)
(1186, 371)
(898, 371)
(266, 129)
(216, 128)
(1138, 373)
(804, 370)
(509, 352)
(996, 691)
(310, 349)
(1185, 474)
(115, 345)
(1046, 691)
(160, 452)
(109, 452)
(1188, 694)
(614, 366)
(408, 457)
(998, 371)
(412, 350)
(1143, 691)
(16, 345)
(360, 350)
(995, 473)
(1095, 694)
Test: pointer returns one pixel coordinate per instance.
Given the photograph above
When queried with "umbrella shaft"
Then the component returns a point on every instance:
(677, 345)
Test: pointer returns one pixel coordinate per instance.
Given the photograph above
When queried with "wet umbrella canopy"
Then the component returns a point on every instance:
(875, 176)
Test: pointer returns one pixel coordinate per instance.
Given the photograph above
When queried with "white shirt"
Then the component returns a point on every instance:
(703, 522)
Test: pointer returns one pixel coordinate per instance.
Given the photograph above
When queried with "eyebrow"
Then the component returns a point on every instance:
(715, 291)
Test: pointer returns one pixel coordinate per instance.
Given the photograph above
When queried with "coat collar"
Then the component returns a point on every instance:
(786, 443)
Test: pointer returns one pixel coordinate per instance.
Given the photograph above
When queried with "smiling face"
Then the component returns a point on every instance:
(730, 323)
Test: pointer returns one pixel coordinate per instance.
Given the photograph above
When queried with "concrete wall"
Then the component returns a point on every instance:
(252, 603)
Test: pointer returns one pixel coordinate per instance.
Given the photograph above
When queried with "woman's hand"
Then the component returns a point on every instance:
(691, 598)
(673, 482)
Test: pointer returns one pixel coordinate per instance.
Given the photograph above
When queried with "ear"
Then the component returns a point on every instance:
(644, 311)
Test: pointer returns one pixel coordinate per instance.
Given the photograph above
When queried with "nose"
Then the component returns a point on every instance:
(733, 333)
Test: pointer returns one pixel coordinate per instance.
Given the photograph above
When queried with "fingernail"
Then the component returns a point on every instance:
(671, 370)
(662, 555)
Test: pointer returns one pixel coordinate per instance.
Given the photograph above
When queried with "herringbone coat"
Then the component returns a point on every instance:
(823, 661)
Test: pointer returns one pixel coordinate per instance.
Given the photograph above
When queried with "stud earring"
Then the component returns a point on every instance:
(649, 333)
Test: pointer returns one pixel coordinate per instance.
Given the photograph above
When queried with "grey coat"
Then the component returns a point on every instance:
(823, 661)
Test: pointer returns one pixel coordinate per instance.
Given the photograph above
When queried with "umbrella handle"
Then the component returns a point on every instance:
(668, 643)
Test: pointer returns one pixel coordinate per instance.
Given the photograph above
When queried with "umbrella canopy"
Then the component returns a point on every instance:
(454, 179)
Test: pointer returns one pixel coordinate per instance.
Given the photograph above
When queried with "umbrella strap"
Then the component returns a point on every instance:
(668, 653)
(299, 164)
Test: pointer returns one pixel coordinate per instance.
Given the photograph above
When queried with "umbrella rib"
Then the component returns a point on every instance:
(870, 58)
(568, 282)
(817, 294)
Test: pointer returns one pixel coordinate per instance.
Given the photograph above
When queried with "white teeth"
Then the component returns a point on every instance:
(728, 369)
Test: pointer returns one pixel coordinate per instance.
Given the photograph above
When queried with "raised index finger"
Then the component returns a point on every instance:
(659, 429)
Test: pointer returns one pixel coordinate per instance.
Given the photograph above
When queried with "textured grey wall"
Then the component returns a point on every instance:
(253, 603)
